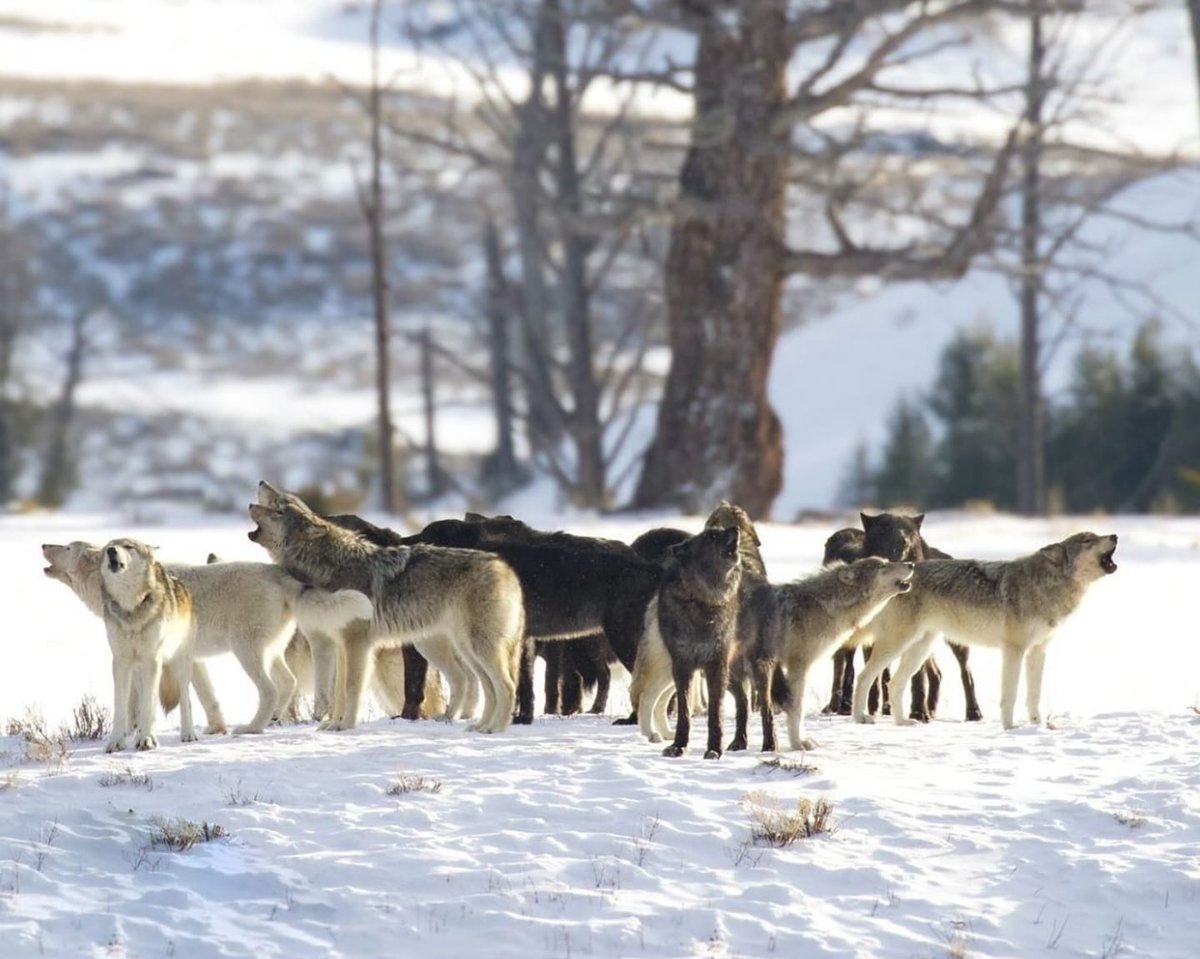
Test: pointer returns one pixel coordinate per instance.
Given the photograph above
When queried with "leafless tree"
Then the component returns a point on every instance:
(574, 229)
(16, 319)
(756, 126)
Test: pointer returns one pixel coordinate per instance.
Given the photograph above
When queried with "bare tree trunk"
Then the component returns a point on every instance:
(717, 435)
(585, 413)
(433, 468)
(1031, 481)
(373, 209)
(52, 488)
(503, 466)
(529, 150)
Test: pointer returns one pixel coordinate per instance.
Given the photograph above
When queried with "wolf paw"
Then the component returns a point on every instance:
(188, 737)
(655, 738)
(974, 715)
(113, 746)
(866, 719)
(247, 730)
(906, 721)
(712, 754)
(146, 742)
(806, 744)
(674, 751)
(737, 745)
(215, 729)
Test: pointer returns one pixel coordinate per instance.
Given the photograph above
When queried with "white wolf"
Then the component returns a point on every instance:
(249, 609)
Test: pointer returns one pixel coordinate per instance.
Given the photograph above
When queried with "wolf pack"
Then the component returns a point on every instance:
(348, 609)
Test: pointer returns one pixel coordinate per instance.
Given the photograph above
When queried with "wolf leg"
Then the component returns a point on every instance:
(358, 661)
(683, 711)
(252, 662)
(741, 707)
(208, 699)
(1010, 677)
(912, 661)
(763, 673)
(798, 680)
(962, 654)
(717, 675)
(148, 673)
(1035, 664)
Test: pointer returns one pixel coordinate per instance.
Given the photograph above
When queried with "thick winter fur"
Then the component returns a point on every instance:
(1015, 605)
(821, 612)
(315, 671)
(148, 618)
(695, 612)
(898, 537)
(456, 606)
(248, 609)
(573, 586)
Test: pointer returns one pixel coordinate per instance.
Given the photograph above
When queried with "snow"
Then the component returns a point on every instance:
(576, 838)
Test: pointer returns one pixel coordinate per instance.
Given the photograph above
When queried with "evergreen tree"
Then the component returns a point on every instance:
(906, 473)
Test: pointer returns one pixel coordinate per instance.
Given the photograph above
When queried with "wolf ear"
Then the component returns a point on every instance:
(474, 518)
(918, 520)
(867, 520)
(1056, 553)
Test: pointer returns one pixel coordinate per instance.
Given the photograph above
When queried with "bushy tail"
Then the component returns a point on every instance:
(169, 692)
(323, 611)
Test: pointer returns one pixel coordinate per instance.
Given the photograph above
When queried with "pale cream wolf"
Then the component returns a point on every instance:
(465, 601)
(312, 661)
(249, 609)
(148, 618)
(1015, 605)
(819, 613)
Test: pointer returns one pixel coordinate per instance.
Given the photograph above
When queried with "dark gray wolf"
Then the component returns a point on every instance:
(460, 607)
(898, 537)
(822, 612)
(695, 611)
(1014, 605)
(148, 619)
(573, 586)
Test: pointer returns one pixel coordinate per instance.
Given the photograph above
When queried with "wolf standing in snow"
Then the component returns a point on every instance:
(457, 606)
(148, 618)
(1015, 605)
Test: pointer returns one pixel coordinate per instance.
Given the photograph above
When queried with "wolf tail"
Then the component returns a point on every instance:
(326, 611)
(169, 692)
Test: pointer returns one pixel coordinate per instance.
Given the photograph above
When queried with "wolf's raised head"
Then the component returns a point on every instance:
(72, 562)
(729, 516)
(280, 516)
(127, 571)
(873, 578)
(893, 536)
(709, 564)
(1084, 557)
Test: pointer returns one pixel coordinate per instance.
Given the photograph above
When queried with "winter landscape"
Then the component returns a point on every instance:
(186, 308)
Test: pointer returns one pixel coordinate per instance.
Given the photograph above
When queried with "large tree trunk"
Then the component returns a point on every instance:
(1031, 456)
(717, 435)
(56, 475)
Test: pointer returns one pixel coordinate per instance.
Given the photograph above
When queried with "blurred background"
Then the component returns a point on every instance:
(421, 255)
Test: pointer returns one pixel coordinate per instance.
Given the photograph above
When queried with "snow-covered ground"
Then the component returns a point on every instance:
(576, 838)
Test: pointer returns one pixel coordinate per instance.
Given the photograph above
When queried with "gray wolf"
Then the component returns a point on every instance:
(148, 619)
(437, 599)
(695, 612)
(821, 612)
(248, 609)
(898, 537)
(1014, 605)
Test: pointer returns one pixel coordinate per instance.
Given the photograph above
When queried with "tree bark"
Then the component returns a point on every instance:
(717, 435)
(586, 432)
(52, 488)
(373, 208)
(1031, 469)
(1193, 8)
(502, 469)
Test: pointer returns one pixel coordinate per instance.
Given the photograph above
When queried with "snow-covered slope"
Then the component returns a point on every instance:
(575, 838)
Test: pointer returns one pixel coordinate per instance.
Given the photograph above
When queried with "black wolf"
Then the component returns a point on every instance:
(697, 617)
